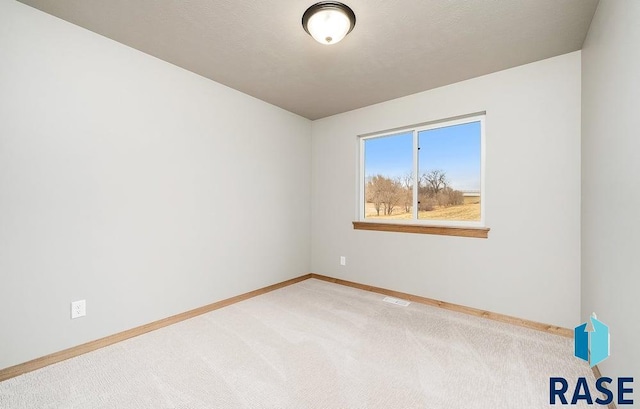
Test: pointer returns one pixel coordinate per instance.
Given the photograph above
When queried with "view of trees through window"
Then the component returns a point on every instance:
(447, 181)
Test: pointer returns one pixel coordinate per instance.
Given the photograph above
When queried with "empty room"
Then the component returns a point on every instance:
(301, 204)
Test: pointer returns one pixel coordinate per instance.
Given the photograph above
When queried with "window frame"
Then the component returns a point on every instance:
(432, 226)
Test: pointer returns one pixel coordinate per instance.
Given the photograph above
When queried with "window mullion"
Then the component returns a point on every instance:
(362, 181)
(415, 174)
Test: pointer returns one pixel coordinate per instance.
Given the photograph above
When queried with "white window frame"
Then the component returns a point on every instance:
(416, 129)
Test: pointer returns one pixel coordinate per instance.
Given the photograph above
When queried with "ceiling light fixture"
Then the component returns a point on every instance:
(328, 22)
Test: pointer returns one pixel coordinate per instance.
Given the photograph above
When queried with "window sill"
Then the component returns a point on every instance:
(477, 232)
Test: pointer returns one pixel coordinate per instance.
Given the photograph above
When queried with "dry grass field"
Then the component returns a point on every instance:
(470, 211)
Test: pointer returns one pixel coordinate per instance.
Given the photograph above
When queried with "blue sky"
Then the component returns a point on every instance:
(453, 149)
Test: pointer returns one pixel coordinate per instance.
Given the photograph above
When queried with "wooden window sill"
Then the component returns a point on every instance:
(477, 232)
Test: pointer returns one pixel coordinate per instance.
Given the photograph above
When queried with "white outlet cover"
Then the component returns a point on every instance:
(396, 301)
(78, 309)
(343, 261)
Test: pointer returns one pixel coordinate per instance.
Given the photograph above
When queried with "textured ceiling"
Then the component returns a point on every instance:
(398, 47)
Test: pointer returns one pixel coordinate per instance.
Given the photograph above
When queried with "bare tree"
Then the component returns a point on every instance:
(392, 195)
(434, 181)
(384, 193)
(373, 192)
(449, 197)
(434, 190)
(406, 182)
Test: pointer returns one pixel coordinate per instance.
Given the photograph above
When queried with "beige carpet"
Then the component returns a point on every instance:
(311, 345)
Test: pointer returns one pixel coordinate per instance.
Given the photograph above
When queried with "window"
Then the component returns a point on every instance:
(428, 175)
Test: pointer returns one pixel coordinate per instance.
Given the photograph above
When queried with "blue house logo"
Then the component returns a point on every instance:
(596, 342)
(592, 345)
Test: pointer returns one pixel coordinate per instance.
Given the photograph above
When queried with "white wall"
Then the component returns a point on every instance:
(529, 266)
(610, 179)
(136, 185)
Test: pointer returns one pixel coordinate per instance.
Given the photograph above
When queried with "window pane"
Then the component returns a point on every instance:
(388, 184)
(449, 173)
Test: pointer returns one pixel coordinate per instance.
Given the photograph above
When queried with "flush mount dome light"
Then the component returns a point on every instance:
(328, 22)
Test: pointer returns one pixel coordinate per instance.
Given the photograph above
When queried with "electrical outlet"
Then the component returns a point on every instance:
(343, 261)
(78, 309)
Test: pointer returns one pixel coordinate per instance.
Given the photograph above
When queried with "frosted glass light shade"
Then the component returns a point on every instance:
(328, 22)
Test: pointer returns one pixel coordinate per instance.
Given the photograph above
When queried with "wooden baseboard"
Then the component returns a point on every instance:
(38, 363)
(47, 360)
(552, 329)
